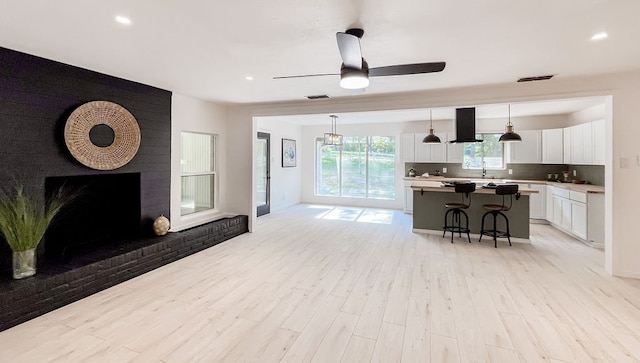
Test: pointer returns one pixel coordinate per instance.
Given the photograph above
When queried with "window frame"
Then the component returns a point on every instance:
(367, 192)
(213, 172)
(481, 135)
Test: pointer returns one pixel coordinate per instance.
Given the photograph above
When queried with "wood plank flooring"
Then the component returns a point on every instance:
(324, 284)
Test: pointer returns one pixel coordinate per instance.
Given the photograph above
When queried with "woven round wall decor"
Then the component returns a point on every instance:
(126, 132)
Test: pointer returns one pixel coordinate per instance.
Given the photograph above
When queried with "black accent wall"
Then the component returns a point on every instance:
(37, 96)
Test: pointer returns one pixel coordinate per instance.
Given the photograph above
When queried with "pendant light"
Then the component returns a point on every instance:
(333, 138)
(509, 135)
(431, 138)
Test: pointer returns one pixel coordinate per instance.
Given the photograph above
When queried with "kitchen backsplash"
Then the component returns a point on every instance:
(593, 174)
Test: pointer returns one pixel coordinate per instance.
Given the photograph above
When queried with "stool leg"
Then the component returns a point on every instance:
(466, 217)
(495, 238)
(444, 229)
(453, 224)
(508, 233)
(482, 227)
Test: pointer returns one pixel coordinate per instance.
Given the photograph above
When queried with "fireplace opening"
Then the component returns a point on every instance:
(106, 213)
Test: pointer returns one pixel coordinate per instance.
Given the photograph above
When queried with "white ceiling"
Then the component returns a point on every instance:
(206, 48)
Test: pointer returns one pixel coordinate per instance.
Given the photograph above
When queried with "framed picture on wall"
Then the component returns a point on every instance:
(288, 153)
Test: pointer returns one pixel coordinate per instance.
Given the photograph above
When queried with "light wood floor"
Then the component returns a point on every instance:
(310, 285)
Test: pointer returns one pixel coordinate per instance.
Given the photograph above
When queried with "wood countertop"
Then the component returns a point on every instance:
(437, 186)
(584, 188)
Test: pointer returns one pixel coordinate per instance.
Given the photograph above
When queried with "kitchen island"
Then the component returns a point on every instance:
(430, 197)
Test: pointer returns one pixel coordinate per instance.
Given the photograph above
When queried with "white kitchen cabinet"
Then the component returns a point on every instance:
(455, 152)
(581, 144)
(537, 201)
(549, 204)
(579, 219)
(552, 146)
(599, 142)
(422, 151)
(408, 197)
(529, 150)
(429, 153)
(595, 219)
(561, 208)
(407, 149)
(566, 145)
(578, 213)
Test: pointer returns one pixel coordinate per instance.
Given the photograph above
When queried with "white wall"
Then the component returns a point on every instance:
(190, 114)
(622, 252)
(285, 182)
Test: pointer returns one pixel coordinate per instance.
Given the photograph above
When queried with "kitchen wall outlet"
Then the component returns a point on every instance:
(510, 171)
(444, 170)
(575, 173)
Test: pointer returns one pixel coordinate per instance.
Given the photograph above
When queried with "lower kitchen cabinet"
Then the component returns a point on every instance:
(408, 198)
(537, 201)
(577, 213)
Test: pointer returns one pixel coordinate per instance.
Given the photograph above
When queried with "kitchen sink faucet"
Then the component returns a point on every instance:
(484, 169)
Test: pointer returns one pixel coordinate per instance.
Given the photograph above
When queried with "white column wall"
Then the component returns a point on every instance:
(285, 182)
(194, 115)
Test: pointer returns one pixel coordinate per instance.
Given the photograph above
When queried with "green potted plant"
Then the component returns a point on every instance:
(23, 222)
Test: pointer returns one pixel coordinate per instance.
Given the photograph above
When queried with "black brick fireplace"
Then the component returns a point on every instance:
(106, 211)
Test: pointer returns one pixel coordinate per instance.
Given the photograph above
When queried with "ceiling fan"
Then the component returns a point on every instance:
(355, 71)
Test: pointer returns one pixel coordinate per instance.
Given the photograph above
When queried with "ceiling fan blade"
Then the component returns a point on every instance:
(308, 75)
(407, 69)
(350, 51)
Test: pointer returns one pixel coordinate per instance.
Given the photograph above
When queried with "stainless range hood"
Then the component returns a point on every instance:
(465, 125)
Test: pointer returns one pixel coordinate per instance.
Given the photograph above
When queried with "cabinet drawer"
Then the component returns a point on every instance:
(564, 193)
(578, 196)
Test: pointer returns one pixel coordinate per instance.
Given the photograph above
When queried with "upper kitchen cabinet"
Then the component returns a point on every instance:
(581, 144)
(552, 146)
(529, 150)
(455, 152)
(599, 142)
(566, 145)
(429, 153)
(407, 149)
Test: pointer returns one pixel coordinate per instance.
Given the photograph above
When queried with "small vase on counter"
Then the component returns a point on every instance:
(412, 172)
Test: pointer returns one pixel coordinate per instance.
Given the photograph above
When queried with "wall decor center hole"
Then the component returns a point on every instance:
(101, 135)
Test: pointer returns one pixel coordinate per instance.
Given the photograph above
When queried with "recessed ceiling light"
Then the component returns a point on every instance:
(599, 36)
(123, 20)
(249, 78)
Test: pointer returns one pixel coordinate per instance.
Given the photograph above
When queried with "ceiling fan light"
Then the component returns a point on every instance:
(353, 79)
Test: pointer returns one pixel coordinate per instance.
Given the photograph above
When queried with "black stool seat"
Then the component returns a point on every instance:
(496, 210)
(457, 210)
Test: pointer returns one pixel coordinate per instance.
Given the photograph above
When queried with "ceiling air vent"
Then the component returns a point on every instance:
(536, 78)
(317, 97)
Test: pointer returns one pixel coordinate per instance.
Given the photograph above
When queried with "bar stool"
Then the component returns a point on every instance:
(464, 189)
(496, 210)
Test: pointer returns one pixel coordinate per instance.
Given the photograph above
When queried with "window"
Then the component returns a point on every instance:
(489, 153)
(364, 167)
(198, 173)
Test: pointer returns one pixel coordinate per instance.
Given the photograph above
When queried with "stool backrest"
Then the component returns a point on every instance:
(464, 189)
(507, 189)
